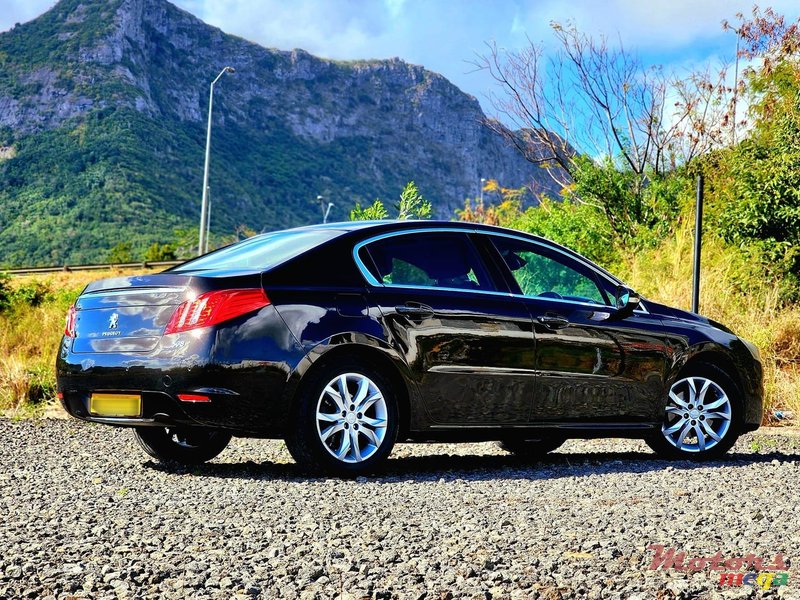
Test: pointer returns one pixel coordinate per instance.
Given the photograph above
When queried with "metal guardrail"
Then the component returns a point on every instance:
(68, 268)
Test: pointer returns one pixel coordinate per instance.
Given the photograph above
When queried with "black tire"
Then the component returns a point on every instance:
(658, 440)
(186, 445)
(304, 435)
(530, 449)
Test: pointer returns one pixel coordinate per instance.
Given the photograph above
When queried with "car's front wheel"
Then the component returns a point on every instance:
(701, 418)
(185, 445)
(345, 419)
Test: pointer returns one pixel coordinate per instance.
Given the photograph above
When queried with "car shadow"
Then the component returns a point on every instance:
(435, 467)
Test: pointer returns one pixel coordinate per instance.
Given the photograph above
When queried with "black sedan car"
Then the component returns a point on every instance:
(345, 338)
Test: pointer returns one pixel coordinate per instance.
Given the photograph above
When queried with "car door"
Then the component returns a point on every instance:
(469, 344)
(592, 365)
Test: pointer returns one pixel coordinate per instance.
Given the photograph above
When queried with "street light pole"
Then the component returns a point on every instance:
(208, 221)
(204, 222)
(483, 181)
(327, 212)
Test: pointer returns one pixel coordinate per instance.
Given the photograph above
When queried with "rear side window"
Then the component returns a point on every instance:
(260, 252)
(436, 260)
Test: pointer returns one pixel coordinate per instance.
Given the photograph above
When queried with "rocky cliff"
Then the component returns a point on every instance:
(102, 115)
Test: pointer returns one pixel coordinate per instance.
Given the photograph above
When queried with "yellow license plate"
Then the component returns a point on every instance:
(116, 405)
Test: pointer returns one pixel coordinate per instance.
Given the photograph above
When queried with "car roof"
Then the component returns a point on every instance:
(387, 225)
(391, 224)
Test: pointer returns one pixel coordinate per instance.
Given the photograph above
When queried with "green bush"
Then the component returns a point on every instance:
(158, 252)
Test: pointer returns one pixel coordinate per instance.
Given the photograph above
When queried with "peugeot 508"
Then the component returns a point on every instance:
(344, 338)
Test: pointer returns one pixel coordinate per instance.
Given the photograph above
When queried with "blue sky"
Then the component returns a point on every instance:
(444, 35)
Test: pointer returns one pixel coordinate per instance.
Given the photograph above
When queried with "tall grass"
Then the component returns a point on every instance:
(31, 325)
(734, 292)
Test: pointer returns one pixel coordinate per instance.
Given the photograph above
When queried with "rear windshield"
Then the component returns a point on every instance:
(260, 252)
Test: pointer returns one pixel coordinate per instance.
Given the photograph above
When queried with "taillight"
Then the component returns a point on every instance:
(215, 307)
(193, 398)
(69, 328)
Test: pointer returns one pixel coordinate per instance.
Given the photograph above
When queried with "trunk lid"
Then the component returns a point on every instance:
(126, 314)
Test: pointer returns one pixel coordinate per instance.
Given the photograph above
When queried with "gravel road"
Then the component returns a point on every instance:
(86, 514)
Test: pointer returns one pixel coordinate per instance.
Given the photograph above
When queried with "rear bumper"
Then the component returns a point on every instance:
(226, 409)
(252, 402)
(245, 381)
(158, 409)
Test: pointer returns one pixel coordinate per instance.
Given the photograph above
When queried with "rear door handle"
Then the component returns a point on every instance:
(553, 322)
(414, 310)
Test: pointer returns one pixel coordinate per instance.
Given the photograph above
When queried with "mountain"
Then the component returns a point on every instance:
(102, 133)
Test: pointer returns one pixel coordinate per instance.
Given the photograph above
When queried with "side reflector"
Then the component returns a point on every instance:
(193, 398)
(69, 328)
(216, 307)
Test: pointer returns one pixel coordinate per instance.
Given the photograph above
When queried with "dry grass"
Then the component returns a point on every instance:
(75, 280)
(29, 338)
(14, 381)
(734, 294)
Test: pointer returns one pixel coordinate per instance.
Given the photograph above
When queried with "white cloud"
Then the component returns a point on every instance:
(444, 35)
(648, 25)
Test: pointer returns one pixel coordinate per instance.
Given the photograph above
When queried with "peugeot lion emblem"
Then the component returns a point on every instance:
(112, 322)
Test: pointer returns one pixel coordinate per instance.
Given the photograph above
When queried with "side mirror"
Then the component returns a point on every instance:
(627, 302)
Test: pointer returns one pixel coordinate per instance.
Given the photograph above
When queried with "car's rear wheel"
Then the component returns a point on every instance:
(185, 445)
(702, 416)
(530, 449)
(345, 419)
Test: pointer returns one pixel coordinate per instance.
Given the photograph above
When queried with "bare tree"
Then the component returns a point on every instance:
(597, 98)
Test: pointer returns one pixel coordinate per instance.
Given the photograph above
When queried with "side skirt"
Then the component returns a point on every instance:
(549, 430)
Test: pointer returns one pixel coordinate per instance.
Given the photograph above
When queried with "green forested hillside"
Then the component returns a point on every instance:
(117, 176)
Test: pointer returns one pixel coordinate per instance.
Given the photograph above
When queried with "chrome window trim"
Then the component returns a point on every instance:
(371, 280)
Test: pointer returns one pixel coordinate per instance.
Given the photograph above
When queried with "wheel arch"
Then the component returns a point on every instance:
(716, 358)
(372, 350)
(735, 360)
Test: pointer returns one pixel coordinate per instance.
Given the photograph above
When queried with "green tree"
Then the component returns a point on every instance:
(639, 212)
(159, 252)
(580, 226)
(121, 253)
(412, 205)
(374, 212)
(759, 180)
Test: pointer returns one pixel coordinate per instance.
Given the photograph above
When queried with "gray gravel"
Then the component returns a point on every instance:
(86, 514)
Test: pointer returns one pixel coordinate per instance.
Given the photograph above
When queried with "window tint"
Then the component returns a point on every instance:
(445, 260)
(544, 273)
(261, 251)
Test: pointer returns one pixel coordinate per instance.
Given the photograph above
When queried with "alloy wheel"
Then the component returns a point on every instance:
(351, 417)
(698, 415)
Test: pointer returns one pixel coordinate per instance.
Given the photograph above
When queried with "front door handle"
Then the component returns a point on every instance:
(418, 311)
(553, 322)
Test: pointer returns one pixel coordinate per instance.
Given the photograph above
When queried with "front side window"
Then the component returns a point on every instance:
(438, 260)
(542, 273)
